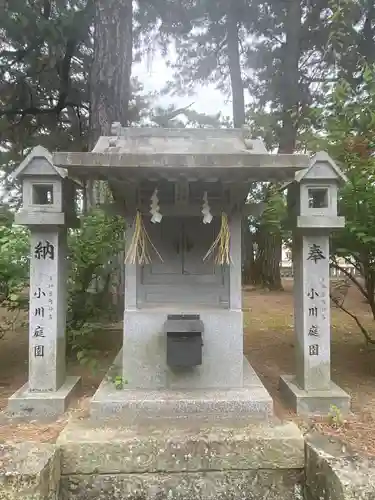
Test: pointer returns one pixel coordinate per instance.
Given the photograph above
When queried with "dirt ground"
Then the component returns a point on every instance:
(269, 346)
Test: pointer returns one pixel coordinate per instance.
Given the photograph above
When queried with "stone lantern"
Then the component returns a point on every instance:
(48, 209)
(312, 205)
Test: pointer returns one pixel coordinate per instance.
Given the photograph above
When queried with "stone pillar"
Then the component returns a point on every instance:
(235, 269)
(47, 315)
(48, 391)
(312, 312)
(130, 302)
(311, 391)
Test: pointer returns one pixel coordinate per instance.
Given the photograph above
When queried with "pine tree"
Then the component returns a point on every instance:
(45, 52)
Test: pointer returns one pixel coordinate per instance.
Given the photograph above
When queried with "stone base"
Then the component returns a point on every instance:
(318, 403)
(42, 404)
(335, 471)
(182, 460)
(29, 471)
(251, 400)
(215, 485)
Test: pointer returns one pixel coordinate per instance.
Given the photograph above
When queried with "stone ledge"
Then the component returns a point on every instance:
(180, 445)
(233, 485)
(250, 401)
(40, 218)
(334, 471)
(316, 403)
(42, 404)
(29, 471)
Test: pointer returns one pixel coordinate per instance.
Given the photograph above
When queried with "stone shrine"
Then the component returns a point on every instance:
(183, 194)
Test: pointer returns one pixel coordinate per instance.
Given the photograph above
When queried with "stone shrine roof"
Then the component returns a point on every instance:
(151, 141)
(227, 153)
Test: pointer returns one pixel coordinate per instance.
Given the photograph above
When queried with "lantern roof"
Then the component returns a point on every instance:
(39, 162)
(322, 167)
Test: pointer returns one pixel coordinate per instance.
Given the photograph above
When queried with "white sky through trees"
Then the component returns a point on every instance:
(154, 74)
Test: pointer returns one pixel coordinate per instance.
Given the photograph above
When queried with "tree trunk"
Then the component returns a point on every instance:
(268, 258)
(268, 272)
(111, 71)
(290, 90)
(235, 67)
(367, 41)
(110, 84)
(369, 281)
(238, 106)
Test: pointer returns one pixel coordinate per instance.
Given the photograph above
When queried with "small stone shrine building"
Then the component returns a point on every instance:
(182, 193)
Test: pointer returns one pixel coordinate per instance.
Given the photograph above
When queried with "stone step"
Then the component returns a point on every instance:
(215, 485)
(176, 445)
(181, 459)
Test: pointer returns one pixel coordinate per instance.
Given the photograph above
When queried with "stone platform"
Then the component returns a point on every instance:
(29, 471)
(28, 404)
(313, 402)
(252, 400)
(334, 470)
(181, 459)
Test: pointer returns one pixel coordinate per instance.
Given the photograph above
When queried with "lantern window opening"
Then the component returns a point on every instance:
(42, 194)
(318, 197)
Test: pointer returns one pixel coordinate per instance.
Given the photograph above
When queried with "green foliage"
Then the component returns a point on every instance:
(275, 211)
(81, 344)
(94, 249)
(119, 382)
(349, 126)
(335, 417)
(45, 55)
(357, 204)
(14, 274)
(14, 252)
(295, 63)
(274, 215)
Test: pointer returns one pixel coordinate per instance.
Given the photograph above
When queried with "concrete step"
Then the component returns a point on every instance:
(176, 445)
(181, 459)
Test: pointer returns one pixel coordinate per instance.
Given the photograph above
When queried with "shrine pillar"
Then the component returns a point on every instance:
(48, 198)
(312, 204)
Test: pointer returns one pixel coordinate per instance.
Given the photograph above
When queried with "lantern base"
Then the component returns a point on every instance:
(317, 403)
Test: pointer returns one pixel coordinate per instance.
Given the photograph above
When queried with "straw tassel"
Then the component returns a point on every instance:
(138, 249)
(221, 245)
